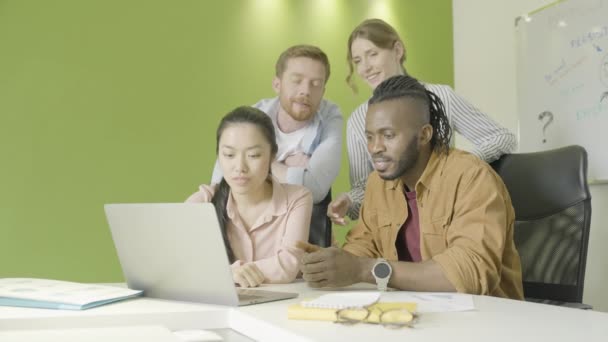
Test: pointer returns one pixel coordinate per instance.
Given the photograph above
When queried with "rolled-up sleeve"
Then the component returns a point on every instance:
(358, 159)
(324, 164)
(490, 139)
(283, 267)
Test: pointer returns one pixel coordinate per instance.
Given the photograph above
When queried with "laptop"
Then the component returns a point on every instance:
(176, 251)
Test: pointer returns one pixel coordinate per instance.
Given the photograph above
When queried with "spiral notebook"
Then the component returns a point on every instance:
(343, 300)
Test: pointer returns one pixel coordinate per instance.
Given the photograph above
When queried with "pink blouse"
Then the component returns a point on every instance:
(271, 241)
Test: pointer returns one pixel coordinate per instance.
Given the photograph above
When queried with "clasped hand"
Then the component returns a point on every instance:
(299, 159)
(328, 267)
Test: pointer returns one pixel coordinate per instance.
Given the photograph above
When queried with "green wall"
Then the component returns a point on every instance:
(117, 101)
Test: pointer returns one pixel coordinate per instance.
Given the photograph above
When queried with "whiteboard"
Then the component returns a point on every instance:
(562, 79)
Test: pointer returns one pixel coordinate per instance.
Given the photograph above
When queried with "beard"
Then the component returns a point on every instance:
(301, 114)
(406, 160)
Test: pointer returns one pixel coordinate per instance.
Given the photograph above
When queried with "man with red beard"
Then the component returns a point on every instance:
(308, 129)
(433, 218)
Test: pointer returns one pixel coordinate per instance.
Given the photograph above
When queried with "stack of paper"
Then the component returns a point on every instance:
(343, 300)
(56, 294)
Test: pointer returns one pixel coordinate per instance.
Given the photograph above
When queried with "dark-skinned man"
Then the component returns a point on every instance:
(433, 218)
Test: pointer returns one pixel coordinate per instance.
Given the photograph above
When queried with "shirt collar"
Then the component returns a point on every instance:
(434, 167)
(277, 207)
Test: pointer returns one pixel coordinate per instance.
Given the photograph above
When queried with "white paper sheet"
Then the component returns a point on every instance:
(432, 301)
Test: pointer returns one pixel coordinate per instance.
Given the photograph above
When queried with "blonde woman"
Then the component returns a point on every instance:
(376, 53)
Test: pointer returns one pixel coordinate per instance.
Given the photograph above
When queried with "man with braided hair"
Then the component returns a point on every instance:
(433, 218)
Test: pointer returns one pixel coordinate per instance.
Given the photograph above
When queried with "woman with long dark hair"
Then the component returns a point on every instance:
(261, 219)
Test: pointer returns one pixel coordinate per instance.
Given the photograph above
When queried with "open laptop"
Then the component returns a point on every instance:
(176, 251)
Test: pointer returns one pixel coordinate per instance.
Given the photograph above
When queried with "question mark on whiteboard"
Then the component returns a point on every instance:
(546, 114)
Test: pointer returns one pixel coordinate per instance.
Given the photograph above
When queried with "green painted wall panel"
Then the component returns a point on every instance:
(117, 101)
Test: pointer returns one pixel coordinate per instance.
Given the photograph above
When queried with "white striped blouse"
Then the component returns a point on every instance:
(489, 139)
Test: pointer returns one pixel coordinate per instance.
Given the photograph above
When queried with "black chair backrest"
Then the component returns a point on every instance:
(552, 204)
(320, 224)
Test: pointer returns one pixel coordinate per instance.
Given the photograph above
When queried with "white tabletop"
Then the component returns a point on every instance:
(494, 319)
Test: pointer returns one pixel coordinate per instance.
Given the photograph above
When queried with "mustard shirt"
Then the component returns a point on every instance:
(466, 224)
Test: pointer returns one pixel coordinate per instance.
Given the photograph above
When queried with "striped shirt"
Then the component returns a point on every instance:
(489, 139)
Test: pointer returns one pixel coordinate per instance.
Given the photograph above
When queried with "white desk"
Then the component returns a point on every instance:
(494, 319)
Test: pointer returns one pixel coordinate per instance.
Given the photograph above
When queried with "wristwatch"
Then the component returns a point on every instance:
(382, 271)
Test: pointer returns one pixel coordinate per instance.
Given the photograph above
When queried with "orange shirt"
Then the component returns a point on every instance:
(466, 224)
(270, 242)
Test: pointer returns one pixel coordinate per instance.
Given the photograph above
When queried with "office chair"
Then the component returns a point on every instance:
(552, 204)
(320, 224)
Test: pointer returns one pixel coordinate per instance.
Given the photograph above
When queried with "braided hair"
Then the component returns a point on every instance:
(263, 122)
(405, 86)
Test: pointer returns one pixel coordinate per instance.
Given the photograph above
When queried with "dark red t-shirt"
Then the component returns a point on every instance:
(408, 238)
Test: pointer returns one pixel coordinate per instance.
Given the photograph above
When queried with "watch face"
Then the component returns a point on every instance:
(382, 270)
